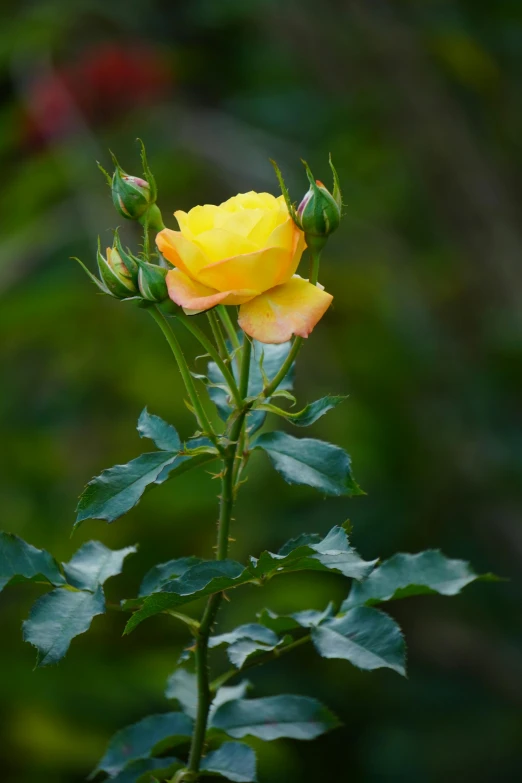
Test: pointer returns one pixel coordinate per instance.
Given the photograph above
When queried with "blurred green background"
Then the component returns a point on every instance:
(420, 104)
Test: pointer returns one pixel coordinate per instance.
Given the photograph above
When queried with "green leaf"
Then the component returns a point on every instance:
(245, 649)
(309, 552)
(186, 461)
(296, 717)
(252, 631)
(246, 641)
(156, 429)
(228, 693)
(207, 577)
(182, 686)
(404, 575)
(366, 637)
(309, 414)
(153, 734)
(118, 489)
(164, 572)
(308, 461)
(308, 618)
(57, 617)
(265, 362)
(93, 564)
(234, 761)
(140, 771)
(21, 562)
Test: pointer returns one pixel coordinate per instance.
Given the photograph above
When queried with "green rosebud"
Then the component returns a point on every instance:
(135, 197)
(118, 272)
(130, 195)
(319, 213)
(151, 282)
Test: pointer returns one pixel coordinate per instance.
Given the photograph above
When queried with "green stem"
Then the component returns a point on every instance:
(258, 661)
(218, 334)
(245, 368)
(225, 516)
(146, 238)
(229, 327)
(274, 383)
(194, 329)
(315, 260)
(199, 411)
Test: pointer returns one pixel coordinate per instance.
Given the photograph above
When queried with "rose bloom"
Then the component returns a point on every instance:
(244, 252)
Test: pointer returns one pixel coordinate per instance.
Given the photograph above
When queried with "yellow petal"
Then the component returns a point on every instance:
(251, 200)
(257, 271)
(180, 251)
(292, 308)
(196, 298)
(242, 222)
(199, 219)
(218, 244)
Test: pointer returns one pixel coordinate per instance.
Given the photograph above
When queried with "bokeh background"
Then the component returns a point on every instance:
(420, 104)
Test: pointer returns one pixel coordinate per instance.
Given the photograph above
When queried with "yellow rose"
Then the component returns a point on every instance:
(244, 252)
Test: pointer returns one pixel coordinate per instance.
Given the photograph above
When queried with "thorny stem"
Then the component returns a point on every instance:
(199, 411)
(194, 329)
(214, 602)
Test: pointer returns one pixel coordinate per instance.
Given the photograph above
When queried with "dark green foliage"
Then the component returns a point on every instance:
(310, 414)
(404, 575)
(21, 562)
(93, 564)
(163, 572)
(140, 771)
(321, 465)
(59, 616)
(296, 717)
(164, 435)
(308, 552)
(265, 363)
(366, 637)
(151, 735)
(234, 761)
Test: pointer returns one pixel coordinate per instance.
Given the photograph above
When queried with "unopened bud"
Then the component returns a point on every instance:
(119, 277)
(319, 213)
(130, 195)
(151, 282)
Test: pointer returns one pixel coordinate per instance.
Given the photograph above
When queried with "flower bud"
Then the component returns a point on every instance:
(118, 273)
(319, 213)
(130, 195)
(151, 282)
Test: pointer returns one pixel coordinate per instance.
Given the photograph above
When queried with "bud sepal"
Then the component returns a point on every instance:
(151, 282)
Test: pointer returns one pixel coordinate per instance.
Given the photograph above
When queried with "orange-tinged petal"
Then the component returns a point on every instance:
(292, 308)
(180, 251)
(288, 270)
(258, 271)
(196, 298)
